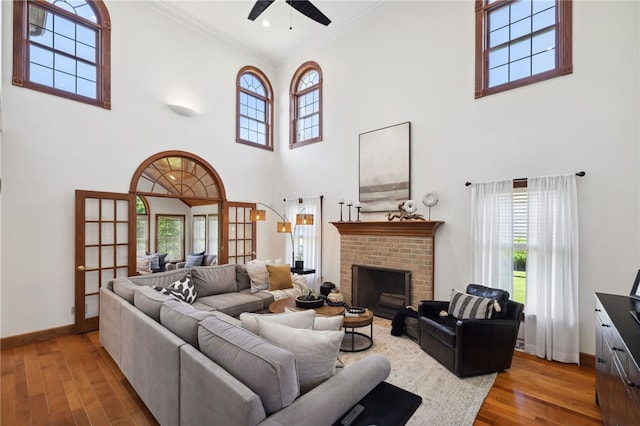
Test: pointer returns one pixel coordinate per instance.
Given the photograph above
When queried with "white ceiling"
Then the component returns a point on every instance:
(227, 21)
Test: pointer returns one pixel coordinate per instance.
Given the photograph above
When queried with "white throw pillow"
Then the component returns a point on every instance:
(298, 319)
(257, 270)
(328, 323)
(315, 351)
(321, 322)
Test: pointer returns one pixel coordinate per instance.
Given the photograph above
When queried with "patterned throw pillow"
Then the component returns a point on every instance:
(182, 290)
(466, 306)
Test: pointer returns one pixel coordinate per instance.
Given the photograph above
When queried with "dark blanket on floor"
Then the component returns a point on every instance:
(397, 324)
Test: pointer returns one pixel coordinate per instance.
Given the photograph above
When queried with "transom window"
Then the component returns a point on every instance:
(519, 42)
(306, 105)
(62, 47)
(254, 109)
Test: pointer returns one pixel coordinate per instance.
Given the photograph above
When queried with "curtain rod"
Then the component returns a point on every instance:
(580, 174)
(301, 198)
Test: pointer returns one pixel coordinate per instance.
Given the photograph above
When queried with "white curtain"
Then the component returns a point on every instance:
(551, 309)
(310, 236)
(492, 234)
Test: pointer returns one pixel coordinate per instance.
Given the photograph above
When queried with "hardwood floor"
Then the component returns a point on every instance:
(72, 380)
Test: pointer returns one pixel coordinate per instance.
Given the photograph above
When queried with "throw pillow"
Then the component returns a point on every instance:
(257, 271)
(315, 351)
(143, 264)
(466, 306)
(320, 322)
(328, 323)
(297, 319)
(279, 277)
(182, 290)
(193, 260)
(154, 261)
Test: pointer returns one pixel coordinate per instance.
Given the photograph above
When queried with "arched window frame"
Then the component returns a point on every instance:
(295, 93)
(21, 44)
(267, 98)
(146, 217)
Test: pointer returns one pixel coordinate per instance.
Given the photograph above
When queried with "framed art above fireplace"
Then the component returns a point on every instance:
(385, 167)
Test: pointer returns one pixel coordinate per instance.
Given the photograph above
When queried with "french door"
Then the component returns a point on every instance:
(239, 233)
(105, 226)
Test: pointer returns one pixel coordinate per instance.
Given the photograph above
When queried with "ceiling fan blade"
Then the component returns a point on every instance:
(258, 8)
(307, 9)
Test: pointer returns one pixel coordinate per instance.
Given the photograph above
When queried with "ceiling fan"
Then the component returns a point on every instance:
(303, 6)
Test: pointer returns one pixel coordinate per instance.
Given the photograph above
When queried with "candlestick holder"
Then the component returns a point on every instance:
(341, 204)
(358, 213)
(349, 204)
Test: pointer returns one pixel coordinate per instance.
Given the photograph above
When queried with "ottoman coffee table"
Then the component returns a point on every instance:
(355, 341)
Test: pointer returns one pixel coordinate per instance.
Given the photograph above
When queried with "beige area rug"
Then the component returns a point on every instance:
(446, 399)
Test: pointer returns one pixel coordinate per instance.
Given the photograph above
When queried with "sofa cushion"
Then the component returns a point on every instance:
(502, 296)
(279, 277)
(182, 320)
(193, 260)
(466, 306)
(242, 277)
(299, 319)
(215, 279)
(183, 290)
(267, 297)
(315, 351)
(124, 288)
(161, 279)
(149, 301)
(233, 303)
(266, 369)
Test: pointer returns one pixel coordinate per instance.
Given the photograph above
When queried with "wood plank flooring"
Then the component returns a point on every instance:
(72, 380)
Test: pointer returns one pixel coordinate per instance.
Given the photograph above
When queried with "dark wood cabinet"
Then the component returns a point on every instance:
(617, 357)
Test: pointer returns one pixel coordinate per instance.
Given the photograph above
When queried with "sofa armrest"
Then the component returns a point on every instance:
(432, 308)
(330, 400)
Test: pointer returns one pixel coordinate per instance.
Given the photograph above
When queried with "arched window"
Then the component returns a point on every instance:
(306, 105)
(254, 108)
(62, 47)
(142, 226)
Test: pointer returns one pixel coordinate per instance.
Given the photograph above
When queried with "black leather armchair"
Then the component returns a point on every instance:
(471, 347)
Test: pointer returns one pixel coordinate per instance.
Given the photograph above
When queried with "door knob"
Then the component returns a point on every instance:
(81, 268)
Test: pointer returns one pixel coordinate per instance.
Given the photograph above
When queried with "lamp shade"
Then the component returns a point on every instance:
(304, 219)
(258, 215)
(284, 227)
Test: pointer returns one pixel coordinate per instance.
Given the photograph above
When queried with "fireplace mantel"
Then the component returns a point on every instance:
(405, 228)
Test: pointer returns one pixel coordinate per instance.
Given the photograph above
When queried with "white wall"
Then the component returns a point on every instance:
(53, 146)
(413, 63)
(416, 63)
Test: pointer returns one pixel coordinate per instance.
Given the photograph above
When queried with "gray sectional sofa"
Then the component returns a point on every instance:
(196, 365)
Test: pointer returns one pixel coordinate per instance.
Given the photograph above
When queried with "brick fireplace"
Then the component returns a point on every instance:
(405, 245)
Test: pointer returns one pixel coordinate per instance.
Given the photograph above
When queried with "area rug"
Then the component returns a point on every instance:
(446, 398)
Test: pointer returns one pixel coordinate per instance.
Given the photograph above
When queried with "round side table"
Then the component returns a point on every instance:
(354, 341)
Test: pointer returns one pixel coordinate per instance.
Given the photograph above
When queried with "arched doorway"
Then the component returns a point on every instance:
(188, 196)
(105, 236)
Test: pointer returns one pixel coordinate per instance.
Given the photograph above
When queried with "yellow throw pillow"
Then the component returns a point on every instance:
(279, 277)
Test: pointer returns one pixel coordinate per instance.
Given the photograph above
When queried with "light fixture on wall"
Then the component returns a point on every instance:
(183, 110)
(284, 226)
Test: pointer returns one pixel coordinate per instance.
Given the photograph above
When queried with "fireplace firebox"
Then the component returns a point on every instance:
(384, 291)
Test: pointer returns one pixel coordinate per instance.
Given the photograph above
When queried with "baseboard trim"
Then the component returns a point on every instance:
(35, 337)
(587, 360)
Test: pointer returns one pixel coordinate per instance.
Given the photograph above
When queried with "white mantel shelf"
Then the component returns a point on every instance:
(404, 228)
